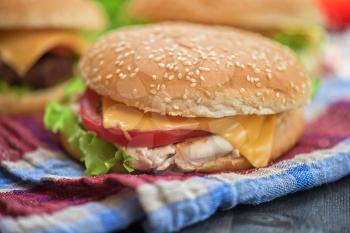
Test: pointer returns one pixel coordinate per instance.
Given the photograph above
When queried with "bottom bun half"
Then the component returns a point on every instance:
(31, 103)
(289, 129)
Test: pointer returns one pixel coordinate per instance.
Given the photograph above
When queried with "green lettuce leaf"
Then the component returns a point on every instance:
(116, 15)
(14, 89)
(302, 38)
(125, 159)
(296, 42)
(75, 86)
(98, 155)
(315, 86)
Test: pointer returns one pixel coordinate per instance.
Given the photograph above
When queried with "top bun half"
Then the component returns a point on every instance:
(191, 70)
(43, 14)
(250, 14)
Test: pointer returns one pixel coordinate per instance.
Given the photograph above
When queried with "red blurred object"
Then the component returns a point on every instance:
(337, 12)
(61, 50)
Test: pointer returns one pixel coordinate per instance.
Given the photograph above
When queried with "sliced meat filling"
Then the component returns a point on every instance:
(50, 69)
(187, 156)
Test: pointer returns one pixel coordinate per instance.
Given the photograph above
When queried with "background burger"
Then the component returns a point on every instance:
(183, 97)
(39, 46)
(297, 24)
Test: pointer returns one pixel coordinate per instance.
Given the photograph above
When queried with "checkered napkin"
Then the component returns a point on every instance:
(42, 190)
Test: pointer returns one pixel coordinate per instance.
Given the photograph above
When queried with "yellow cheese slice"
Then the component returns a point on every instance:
(21, 49)
(252, 135)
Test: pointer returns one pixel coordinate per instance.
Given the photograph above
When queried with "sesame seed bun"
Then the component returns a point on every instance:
(71, 14)
(191, 70)
(250, 14)
(30, 103)
(289, 129)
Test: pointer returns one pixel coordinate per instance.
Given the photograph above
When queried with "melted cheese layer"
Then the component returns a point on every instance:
(252, 135)
(21, 49)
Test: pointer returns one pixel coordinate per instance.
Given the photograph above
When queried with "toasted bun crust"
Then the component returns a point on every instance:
(72, 14)
(30, 103)
(289, 129)
(251, 14)
(194, 70)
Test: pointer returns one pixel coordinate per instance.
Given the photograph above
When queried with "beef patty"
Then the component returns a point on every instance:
(48, 71)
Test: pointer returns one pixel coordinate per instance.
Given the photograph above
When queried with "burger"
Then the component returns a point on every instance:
(297, 24)
(40, 42)
(183, 97)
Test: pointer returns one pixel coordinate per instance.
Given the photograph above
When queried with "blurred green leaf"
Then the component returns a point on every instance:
(75, 86)
(117, 17)
(14, 89)
(116, 11)
(296, 42)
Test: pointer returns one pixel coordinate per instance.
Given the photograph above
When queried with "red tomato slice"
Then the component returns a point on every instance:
(92, 120)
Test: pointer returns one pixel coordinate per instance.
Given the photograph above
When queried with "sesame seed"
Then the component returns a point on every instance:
(193, 84)
(242, 90)
(122, 76)
(109, 76)
(201, 68)
(269, 76)
(153, 91)
(202, 78)
(154, 77)
(167, 100)
(229, 64)
(157, 59)
(187, 63)
(248, 78)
